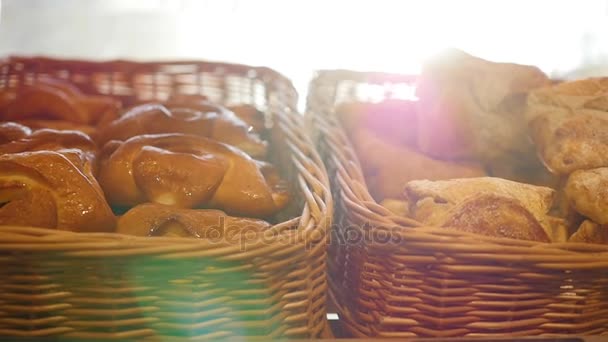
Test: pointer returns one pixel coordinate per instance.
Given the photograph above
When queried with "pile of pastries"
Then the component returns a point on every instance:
(497, 149)
(181, 167)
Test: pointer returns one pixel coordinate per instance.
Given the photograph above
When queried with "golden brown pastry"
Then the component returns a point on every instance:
(590, 232)
(51, 99)
(587, 193)
(58, 141)
(10, 131)
(470, 108)
(59, 125)
(569, 124)
(388, 168)
(495, 215)
(52, 190)
(557, 228)
(189, 171)
(487, 206)
(211, 121)
(394, 121)
(450, 192)
(247, 113)
(160, 220)
(250, 115)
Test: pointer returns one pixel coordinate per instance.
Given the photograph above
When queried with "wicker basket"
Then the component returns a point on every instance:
(110, 286)
(392, 277)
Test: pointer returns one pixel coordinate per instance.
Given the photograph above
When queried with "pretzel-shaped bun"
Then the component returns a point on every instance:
(207, 120)
(58, 100)
(52, 190)
(189, 171)
(152, 219)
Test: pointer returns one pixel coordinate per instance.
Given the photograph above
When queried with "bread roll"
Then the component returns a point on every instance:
(189, 171)
(52, 190)
(388, 168)
(51, 99)
(209, 121)
(487, 206)
(569, 124)
(160, 220)
(587, 193)
(590, 232)
(470, 108)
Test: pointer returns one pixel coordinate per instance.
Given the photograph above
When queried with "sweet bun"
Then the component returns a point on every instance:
(189, 171)
(52, 190)
(206, 120)
(160, 220)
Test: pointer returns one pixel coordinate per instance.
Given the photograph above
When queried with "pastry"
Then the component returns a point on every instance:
(247, 113)
(208, 121)
(59, 125)
(587, 192)
(496, 216)
(569, 124)
(250, 115)
(10, 131)
(470, 108)
(590, 232)
(189, 171)
(486, 205)
(161, 220)
(52, 190)
(50, 99)
(388, 168)
(58, 141)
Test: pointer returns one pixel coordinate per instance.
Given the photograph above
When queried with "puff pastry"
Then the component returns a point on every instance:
(569, 124)
(587, 192)
(488, 206)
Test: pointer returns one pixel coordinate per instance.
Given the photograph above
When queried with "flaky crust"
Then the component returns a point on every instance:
(587, 192)
(569, 124)
(536, 199)
(590, 232)
(495, 215)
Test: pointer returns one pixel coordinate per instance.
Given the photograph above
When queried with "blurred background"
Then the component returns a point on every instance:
(565, 38)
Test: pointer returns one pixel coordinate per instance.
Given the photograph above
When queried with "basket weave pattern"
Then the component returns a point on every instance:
(110, 286)
(392, 277)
